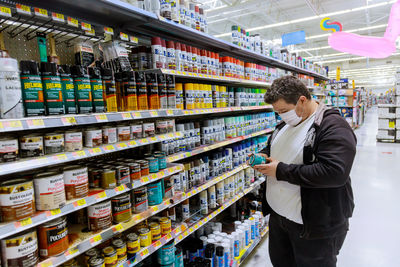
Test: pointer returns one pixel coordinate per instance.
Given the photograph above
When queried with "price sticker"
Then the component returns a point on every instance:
(96, 239)
(35, 123)
(122, 145)
(22, 9)
(126, 116)
(196, 227)
(153, 176)
(162, 173)
(41, 12)
(123, 36)
(154, 113)
(53, 212)
(170, 135)
(57, 17)
(143, 141)
(13, 125)
(157, 244)
(61, 157)
(109, 148)
(144, 179)
(72, 22)
(144, 252)
(185, 234)
(120, 188)
(155, 208)
(194, 191)
(163, 137)
(101, 118)
(79, 154)
(108, 30)
(80, 202)
(170, 112)
(132, 143)
(209, 217)
(183, 227)
(101, 195)
(26, 222)
(68, 121)
(189, 194)
(180, 237)
(153, 139)
(118, 228)
(168, 237)
(133, 39)
(94, 151)
(392, 124)
(137, 114)
(47, 263)
(71, 251)
(86, 26)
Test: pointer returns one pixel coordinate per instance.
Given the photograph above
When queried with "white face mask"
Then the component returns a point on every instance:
(291, 118)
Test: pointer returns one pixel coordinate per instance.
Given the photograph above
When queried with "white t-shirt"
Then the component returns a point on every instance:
(287, 147)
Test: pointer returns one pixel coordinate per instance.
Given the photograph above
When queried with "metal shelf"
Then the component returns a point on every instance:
(119, 14)
(53, 159)
(247, 251)
(37, 123)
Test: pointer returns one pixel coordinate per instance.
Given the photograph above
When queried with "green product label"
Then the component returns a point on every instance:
(69, 94)
(98, 95)
(83, 95)
(32, 93)
(53, 95)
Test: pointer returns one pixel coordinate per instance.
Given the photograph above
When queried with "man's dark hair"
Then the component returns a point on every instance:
(288, 88)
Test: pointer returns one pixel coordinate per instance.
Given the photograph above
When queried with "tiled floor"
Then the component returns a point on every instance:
(374, 236)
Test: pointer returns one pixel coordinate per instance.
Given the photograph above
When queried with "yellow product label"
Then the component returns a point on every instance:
(83, 86)
(53, 85)
(131, 103)
(32, 85)
(111, 260)
(69, 86)
(97, 87)
(133, 246)
(112, 103)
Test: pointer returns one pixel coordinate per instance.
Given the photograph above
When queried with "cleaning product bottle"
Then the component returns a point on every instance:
(52, 88)
(97, 90)
(32, 88)
(82, 89)
(68, 88)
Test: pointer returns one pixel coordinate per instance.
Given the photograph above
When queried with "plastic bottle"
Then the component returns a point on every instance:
(32, 89)
(53, 90)
(175, 10)
(97, 90)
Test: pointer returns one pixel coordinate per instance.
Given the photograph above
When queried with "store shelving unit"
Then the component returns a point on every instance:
(120, 15)
(247, 251)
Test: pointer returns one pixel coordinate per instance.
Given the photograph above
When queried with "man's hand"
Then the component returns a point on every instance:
(268, 169)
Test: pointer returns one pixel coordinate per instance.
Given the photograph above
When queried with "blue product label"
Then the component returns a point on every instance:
(220, 261)
(226, 259)
(236, 250)
(192, 256)
(256, 228)
(201, 253)
(247, 237)
(166, 254)
(253, 232)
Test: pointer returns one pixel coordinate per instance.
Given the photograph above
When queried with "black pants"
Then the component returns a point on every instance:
(287, 249)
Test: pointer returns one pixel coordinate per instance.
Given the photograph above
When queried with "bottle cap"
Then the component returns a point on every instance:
(29, 67)
(95, 73)
(163, 43)
(64, 70)
(219, 251)
(48, 68)
(155, 40)
(170, 44)
(106, 72)
(78, 71)
(178, 46)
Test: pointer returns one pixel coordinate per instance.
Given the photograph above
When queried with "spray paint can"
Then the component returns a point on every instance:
(32, 88)
(162, 91)
(142, 91)
(212, 197)
(203, 202)
(97, 90)
(110, 96)
(220, 193)
(129, 91)
(152, 91)
(52, 88)
(68, 89)
(83, 90)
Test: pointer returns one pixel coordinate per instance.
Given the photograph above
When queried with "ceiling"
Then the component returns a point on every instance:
(272, 18)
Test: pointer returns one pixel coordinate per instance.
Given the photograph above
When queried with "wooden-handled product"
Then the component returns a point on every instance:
(53, 56)
(3, 50)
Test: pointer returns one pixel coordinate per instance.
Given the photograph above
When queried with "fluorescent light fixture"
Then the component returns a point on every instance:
(268, 26)
(216, 8)
(324, 56)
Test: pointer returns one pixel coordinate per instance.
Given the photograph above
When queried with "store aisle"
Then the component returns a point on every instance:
(374, 233)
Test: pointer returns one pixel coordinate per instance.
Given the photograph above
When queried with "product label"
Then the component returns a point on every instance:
(76, 183)
(83, 95)
(21, 250)
(130, 96)
(98, 95)
(49, 192)
(11, 95)
(68, 95)
(53, 95)
(33, 95)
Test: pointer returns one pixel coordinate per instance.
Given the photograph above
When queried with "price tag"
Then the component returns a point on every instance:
(109, 148)
(189, 194)
(392, 125)
(61, 157)
(57, 17)
(68, 121)
(47, 263)
(26, 222)
(72, 22)
(153, 176)
(35, 123)
(162, 173)
(132, 143)
(209, 217)
(137, 114)
(154, 113)
(183, 227)
(162, 137)
(196, 227)
(120, 188)
(180, 237)
(101, 195)
(134, 39)
(22, 9)
(55, 212)
(118, 228)
(170, 135)
(86, 26)
(144, 252)
(71, 251)
(95, 239)
(101, 118)
(80, 202)
(79, 154)
(194, 191)
(168, 237)
(157, 244)
(185, 234)
(41, 12)
(108, 30)
(144, 179)
(91, 32)
(95, 150)
(143, 141)
(5, 11)
(123, 36)
(170, 112)
(155, 208)
(153, 139)
(122, 145)
(126, 116)
(13, 125)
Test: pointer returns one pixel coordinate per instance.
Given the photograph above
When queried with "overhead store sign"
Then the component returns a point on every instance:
(293, 38)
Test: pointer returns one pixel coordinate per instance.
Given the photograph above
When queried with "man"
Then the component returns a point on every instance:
(308, 190)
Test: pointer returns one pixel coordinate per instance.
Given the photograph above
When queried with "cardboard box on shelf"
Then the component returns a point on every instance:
(387, 134)
(386, 124)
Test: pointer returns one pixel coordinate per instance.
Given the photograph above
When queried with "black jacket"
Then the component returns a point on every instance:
(326, 193)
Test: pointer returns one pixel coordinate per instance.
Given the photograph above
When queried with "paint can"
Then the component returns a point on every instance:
(132, 244)
(76, 182)
(145, 237)
(91, 253)
(11, 106)
(96, 262)
(148, 129)
(155, 231)
(122, 175)
(52, 88)
(121, 208)
(162, 160)
(109, 135)
(136, 130)
(110, 257)
(32, 88)
(53, 143)
(95, 177)
(108, 179)
(8, 149)
(120, 246)
(168, 187)
(139, 199)
(20, 250)
(165, 224)
(31, 146)
(153, 164)
(134, 170)
(178, 257)
(93, 137)
(100, 216)
(124, 132)
(256, 159)
(53, 237)
(16, 200)
(166, 254)
(154, 191)
(73, 141)
(49, 190)
(144, 167)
